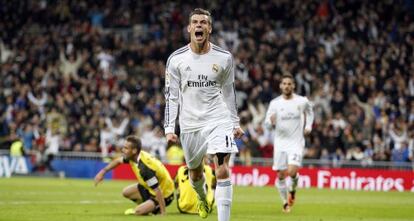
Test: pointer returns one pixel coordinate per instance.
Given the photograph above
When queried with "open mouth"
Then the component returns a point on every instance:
(198, 34)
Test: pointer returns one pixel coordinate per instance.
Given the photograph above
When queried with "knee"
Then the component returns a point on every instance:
(222, 165)
(281, 175)
(196, 174)
(126, 193)
(222, 172)
(292, 174)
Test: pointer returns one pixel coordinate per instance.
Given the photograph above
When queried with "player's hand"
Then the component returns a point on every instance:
(99, 177)
(172, 138)
(238, 132)
(306, 132)
(273, 119)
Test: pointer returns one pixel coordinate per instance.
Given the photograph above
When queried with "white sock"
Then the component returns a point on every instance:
(224, 195)
(294, 182)
(282, 188)
(199, 187)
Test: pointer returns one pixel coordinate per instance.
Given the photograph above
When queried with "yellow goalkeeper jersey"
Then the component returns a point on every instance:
(151, 173)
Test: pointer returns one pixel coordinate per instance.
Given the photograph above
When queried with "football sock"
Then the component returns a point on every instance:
(282, 188)
(224, 195)
(199, 187)
(294, 182)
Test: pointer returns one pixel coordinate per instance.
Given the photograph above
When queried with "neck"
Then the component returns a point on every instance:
(200, 48)
(135, 158)
(288, 96)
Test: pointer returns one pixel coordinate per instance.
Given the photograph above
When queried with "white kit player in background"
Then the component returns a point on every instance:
(199, 85)
(291, 117)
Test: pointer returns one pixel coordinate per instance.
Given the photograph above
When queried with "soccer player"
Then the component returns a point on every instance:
(199, 82)
(291, 116)
(185, 194)
(155, 188)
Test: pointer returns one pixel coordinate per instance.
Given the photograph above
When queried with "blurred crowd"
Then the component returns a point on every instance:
(78, 75)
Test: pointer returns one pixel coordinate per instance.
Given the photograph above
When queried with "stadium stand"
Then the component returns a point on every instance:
(77, 75)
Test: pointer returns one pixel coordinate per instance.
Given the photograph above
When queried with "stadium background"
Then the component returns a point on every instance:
(76, 76)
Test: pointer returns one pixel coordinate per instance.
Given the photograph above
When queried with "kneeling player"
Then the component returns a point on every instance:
(155, 188)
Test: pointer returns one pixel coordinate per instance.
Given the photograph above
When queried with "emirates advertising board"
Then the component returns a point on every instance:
(331, 178)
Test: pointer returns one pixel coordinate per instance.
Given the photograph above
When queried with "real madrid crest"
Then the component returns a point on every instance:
(215, 68)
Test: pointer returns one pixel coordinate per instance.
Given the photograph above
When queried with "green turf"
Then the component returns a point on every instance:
(70, 199)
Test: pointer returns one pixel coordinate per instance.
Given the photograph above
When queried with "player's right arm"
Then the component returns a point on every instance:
(172, 89)
(100, 175)
(270, 119)
(309, 117)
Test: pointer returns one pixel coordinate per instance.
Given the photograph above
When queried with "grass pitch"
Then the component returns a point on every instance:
(71, 199)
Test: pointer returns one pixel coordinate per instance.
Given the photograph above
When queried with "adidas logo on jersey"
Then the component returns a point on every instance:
(188, 68)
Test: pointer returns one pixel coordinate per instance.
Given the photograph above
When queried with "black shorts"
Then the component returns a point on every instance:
(146, 195)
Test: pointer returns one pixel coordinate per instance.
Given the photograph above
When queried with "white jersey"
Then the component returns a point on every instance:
(292, 116)
(200, 88)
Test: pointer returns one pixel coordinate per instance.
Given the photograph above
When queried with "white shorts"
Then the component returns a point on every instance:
(283, 158)
(210, 140)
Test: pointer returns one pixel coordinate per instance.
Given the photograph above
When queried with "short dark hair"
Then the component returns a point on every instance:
(135, 141)
(200, 11)
(287, 76)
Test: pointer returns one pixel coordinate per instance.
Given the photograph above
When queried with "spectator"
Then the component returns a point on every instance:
(400, 156)
(175, 154)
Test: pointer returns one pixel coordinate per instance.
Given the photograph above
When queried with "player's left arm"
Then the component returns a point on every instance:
(151, 179)
(309, 116)
(229, 94)
(160, 198)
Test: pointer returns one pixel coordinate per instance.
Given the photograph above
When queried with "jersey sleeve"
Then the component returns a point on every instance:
(229, 92)
(172, 88)
(149, 176)
(270, 111)
(309, 115)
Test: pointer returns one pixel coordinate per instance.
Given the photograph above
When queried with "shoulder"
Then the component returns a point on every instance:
(146, 168)
(276, 100)
(301, 99)
(145, 159)
(221, 51)
(177, 53)
(144, 154)
(180, 51)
